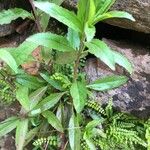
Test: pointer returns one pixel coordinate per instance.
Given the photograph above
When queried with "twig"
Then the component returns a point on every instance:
(65, 145)
(35, 16)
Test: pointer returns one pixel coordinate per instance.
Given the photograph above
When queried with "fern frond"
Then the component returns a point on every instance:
(51, 141)
(96, 107)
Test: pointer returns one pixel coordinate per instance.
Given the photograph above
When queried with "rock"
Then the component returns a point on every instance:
(133, 97)
(138, 8)
(9, 28)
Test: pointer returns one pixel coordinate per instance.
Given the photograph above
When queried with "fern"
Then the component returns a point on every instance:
(52, 141)
(93, 105)
(123, 131)
(7, 93)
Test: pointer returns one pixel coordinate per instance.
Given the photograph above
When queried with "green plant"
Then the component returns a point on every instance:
(53, 101)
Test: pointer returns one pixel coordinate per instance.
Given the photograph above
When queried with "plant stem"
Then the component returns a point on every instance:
(77, 62)
(35, 16)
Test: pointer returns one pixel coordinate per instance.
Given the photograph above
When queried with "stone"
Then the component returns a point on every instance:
(9, 28)
(138, 8)
(140, 11)
(134, 96)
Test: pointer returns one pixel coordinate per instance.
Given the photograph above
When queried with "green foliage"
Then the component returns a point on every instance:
(108, 83)
(6, 16)
(52, 141)
(78, 92)
(61, 14)
(8, 58)
(51, 41)
(57, 99)
(7, 94)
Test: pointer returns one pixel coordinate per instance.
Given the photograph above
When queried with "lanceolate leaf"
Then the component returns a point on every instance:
(83, 11)
(9, 59)
(73, 38)
(23, 97)
(63, 15)
(103, 6)
(51, 41)
(92, 11)
(113, 14)
(22, 52)
(6, 16)
(108, 83)
(89, 142)
(52, 82)
(108, 56)
(89, 32)
(21, 132)
(31, 134)
(8, 125)
(53, 120)
(123, 61)
(47, 103)
(78, 92)
(102, 51)
(29, 81)
(74, 133)
(66, 57)
(36, 96)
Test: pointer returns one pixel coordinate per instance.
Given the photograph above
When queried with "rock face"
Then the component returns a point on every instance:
(134, 97)
(9, 28)
(140, 9)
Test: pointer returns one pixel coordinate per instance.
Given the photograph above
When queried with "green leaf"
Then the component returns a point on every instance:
(51, 41)
(66, 57)
(92, 11)
(9, 59)
(21, 53)
(21, 132)
(108, 56)
(36, 96)
(83, 11)
(78, 92)
(58, 2)
(89, 142)
(123, 61)
(47, 103)
(44, 20)
(74, 133)
(61, 14)
(103, 6)
(108, 83)
(30, 135)
(53, 120)
(102, 51)
(114, 14)
(6, 16)
(23, 97)
(8, 125)
(92, 124)
(89, 32)
(29, 81)
(52, 82)
(73, 38)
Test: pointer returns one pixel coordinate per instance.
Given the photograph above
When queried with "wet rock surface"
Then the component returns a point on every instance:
(133, 97)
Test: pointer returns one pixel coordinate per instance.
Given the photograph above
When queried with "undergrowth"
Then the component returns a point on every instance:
(57, 111)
